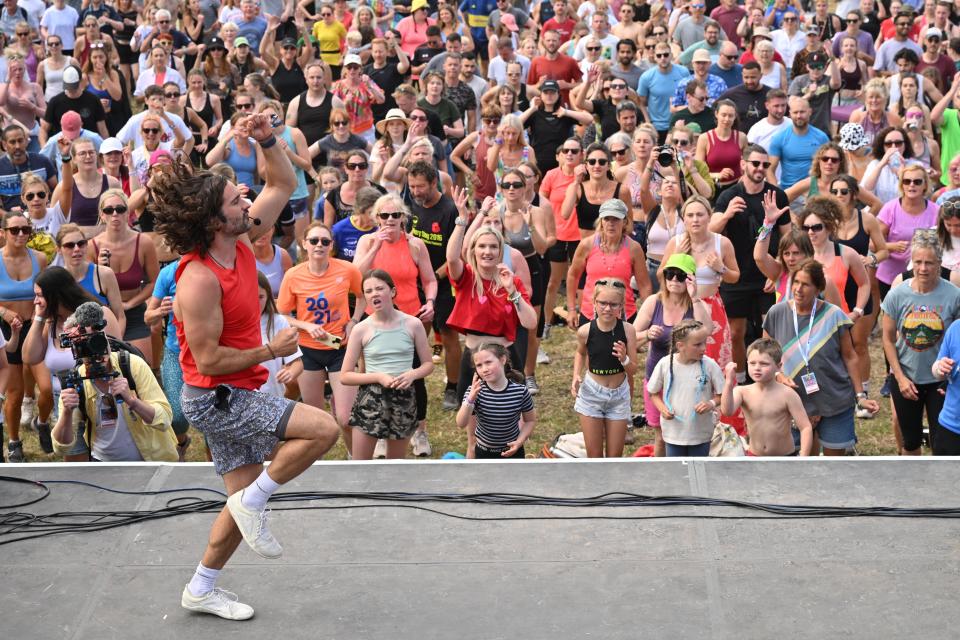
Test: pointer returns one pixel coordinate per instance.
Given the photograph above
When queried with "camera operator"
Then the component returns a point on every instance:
(124, 425)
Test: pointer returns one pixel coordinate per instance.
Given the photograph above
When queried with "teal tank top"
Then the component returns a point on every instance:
(389, 351)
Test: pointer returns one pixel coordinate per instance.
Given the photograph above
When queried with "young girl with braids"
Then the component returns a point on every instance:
(497, 409)
(685, 387)
(605, 361)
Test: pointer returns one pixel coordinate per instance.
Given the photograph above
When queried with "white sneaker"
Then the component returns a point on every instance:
(421, 445)
(380, 451)
(532, 387)
(219, 602)
(542, 356)
(253, 526)
(28, 410)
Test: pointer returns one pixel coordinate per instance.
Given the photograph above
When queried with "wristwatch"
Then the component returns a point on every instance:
(460, 222)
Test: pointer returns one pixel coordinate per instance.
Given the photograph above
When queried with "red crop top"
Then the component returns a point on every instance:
(491, 314)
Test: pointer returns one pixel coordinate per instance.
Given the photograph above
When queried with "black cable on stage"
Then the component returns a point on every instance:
(17, 527)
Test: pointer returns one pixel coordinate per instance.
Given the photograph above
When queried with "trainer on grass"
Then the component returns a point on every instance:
(217, 316)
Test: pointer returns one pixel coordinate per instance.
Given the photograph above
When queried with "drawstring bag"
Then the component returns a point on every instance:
(726, 442)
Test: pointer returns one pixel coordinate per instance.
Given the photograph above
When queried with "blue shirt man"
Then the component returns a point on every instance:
(793, 148)
(657, 87)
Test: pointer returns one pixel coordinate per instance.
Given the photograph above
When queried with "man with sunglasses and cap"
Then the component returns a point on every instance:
(817, 88)
(932, 57)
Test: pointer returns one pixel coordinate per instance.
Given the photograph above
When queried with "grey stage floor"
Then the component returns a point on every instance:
(390, 573)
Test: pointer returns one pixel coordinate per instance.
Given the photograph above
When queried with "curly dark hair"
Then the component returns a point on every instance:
(186, 207)
(827, 209)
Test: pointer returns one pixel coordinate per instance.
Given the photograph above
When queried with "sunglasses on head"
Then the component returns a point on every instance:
(353, 166)
(597, 161)
(70, 246)
(759, 163)
(326, 242)
(118, 210)
(840, 192)
(20, 231)
(34, 194)
(677, 275)
(611, 283)
(916, 182)
(812, 227)
(386, 215)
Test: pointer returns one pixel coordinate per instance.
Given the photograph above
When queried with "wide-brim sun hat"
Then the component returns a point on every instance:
(394, 115)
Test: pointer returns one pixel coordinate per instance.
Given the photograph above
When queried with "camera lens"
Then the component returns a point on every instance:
(665, 158)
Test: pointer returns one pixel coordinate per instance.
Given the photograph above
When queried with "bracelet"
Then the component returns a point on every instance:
(498, 141)
(764, 231)
(269, 142)
(469, 403)
(66, 158)
(514, 297)
(625, 362)
(39, 319)
(272, 354)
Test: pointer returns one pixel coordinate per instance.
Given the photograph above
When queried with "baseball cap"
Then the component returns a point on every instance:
(550, 85)
(352, 58)
(241, 42)
(682, 261)
(509, 22)
(613, 208)
(70, 124)
(701, 55)
(288, 42)
(159, 155)
(215, 42)
(110, 145)
(934, 32)
(817, 59)
(71, 78)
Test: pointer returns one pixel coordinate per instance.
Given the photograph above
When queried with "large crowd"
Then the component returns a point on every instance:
(723, 201)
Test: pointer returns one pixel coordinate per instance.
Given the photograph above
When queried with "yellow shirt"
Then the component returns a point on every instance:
(331, 38)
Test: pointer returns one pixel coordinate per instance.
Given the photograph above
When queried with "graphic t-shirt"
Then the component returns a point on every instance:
(922, 320)
(320, 299)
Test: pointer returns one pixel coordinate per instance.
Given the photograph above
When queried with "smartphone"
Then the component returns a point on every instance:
(275, 121)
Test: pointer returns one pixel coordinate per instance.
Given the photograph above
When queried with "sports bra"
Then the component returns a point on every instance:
(87, 284)
(13, 290)
(600, 349)
(587, 212)
(705, 275)
(521, 240)
(860, 242)
(132, 278)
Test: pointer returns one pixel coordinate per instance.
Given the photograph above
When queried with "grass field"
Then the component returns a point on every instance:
(555, 411)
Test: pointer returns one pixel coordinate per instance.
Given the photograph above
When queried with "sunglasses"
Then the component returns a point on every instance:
(386, 215)
(677, 275)
(419, 118)
(353, 166)
(54, 44)
(592, 48)
(340, 123)
(246, 105)
(603, 304)
(729, 57)
(659, 33)
(506, 186)
(491, 121)
(326, 242)
(649, 46)
(853, 20)
(618, 85)
(618, 152)
(757, 164)
(163, 22)
(70, 246)
(817, 67)
(597, 161)
(789, 19)
(118, 210)
(97, 45)
(916, 182)
(682, 143)
(34, 194)
(892, 143)
(326, 15)
(150, 130)
(569, 151)
(23, 33)
(658, 56)
(840, 192)
(830, 159)
(20, 231)
(812, 227)
(172, 95)
(611, 283)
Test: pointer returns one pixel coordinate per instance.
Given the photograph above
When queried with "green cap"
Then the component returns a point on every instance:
(682, 261)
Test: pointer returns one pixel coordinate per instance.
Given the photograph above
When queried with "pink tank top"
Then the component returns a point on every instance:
(600, 266)
(395, 258)
(724, 154)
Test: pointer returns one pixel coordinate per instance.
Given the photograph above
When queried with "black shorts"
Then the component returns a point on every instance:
(137, 327)
(536, 266)
(126, 54)
(15, 356)
(329, 360)
(562, 251)
(443, 305)
(746, 303)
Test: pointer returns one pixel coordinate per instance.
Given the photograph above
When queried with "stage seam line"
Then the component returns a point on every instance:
(710, 540)
(155, 483)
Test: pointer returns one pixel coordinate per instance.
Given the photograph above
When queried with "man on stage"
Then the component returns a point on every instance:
(204, 218)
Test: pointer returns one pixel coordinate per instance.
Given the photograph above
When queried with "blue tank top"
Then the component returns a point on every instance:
(12, 290)
(90, 287)
(301, 191)
(102, 94)
(244, 166)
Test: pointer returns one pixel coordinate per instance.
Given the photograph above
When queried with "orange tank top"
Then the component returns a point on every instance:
(837, 272)
(395, 258)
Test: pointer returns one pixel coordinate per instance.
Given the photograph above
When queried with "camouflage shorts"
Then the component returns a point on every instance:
(385, 413)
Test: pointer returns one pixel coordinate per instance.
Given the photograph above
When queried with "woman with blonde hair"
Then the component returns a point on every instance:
(81, 183)
(874, 116)
(509, 147)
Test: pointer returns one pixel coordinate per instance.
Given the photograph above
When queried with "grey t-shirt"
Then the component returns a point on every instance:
(630, 76)
(689, 32)
(836, 393)
(921, 320)
(690, 385)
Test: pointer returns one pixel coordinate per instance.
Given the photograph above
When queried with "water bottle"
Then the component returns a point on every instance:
(896, 161)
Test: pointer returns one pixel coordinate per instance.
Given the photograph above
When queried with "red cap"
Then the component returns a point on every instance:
(71, 124)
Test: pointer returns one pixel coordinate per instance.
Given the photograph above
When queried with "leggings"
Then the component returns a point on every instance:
(420, 392)
(688, 450)
(910, 413)
(945, 441)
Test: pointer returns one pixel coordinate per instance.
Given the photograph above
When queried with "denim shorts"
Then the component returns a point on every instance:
(299, 207)
(597, 401)
(834, 432)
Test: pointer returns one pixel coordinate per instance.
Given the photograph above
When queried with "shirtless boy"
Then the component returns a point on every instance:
(768, 406)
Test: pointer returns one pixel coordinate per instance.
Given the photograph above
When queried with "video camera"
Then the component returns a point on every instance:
(88, 349)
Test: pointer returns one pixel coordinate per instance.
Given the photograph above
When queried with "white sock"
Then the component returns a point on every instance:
(256, 495)
(203, 581)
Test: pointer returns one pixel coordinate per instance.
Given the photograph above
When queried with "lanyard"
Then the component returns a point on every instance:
(804, 353)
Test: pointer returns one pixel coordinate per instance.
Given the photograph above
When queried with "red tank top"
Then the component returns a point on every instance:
(599, 266)
(724, 153)
(241, 320)
(395, 258)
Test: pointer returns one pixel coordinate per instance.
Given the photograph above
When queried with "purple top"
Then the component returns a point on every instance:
(902, 226)
(660, 347)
